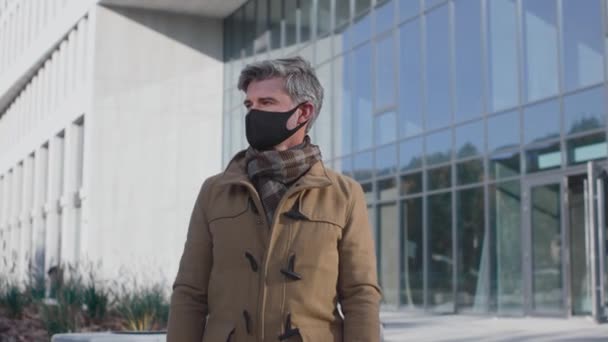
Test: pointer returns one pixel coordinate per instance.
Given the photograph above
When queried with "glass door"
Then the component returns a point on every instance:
(544, 256)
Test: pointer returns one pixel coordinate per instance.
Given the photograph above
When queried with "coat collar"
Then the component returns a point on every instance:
(236, 173)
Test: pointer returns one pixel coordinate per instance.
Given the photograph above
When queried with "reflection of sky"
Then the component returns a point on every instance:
(583, 43)
(468, 59)
(503, 131)
(502, 54)
(584, 110)
(437, 68)
(541, 122)
(470, 139)
(540, 48)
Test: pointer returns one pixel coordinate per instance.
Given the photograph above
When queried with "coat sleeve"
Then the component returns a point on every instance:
(358, 287)
(188, 308)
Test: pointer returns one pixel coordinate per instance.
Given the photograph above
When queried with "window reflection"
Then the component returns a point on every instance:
(411, 183)
(584, 111)
(386, 160)
(408, 8)
(361, 29)
(323, 17)
(412, 289)
(343, 95)
(363, 166)
(505, 164)
(363, 102)
(583, 47)
(389, 252)
(410, 154)
(505, 254)
(438, 147)
(502, 54)
(323, 128)
(503, 131)
(305, 20)
(385, 16)
(472, 294)
(469, 172)
(387, 189)
(544, 157)
(540, 46)
(276, 7)
(385, 73)
(410, 76)
(439, 178)
(386, 128)
(440, 258)
(469, 140)
(468, 64)
(587, 148)
(541, 122)
(437, 69)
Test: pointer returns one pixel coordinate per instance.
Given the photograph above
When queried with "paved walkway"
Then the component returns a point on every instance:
(403, 327)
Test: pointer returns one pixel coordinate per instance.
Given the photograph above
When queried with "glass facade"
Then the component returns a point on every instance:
(444, 110)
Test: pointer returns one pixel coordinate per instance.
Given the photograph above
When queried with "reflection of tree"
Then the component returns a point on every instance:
(414, 163)
(470, 172)
(440, 248)
(585, 124)
(471, 241)
(468, 150)
(438, 157)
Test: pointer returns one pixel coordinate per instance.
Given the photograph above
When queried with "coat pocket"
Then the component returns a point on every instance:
(218, 331)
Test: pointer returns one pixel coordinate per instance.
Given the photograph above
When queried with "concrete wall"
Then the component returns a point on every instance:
(156, 135)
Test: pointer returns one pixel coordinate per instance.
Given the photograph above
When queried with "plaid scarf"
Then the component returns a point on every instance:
(272, 172)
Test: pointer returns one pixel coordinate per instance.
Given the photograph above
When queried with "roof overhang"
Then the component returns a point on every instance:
(205, 8)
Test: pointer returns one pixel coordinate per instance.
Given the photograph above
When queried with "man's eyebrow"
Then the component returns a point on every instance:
(268, 99)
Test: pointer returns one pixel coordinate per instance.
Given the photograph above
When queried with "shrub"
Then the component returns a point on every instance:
(13, 300)
(143, 308)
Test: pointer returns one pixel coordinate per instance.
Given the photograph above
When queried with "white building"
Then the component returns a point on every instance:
(110, 119)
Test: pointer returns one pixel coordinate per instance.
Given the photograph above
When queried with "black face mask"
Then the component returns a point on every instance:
(265, 130)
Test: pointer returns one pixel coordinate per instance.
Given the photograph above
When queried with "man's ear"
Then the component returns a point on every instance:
(307, 112)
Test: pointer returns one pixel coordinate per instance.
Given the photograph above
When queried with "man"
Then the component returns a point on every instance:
(277, 241)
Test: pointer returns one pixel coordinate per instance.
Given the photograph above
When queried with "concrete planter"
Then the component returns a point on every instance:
(112, 337)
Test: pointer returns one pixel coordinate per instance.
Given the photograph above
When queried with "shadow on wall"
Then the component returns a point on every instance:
(178, 27)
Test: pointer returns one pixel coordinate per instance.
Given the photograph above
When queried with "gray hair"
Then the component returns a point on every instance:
(301, 82)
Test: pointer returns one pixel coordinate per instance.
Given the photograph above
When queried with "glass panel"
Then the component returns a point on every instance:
(540, 45)
(368, 191)
(260, 43)
(362, 29)
(439, 178)
(503, 131)
(504, 165)
(544, 157)
(387, 189)
(431, 3)
(385, 16)
(437, 69)
(412, 288)
(410, 76)
(361, 6)
(545, 211)
(363, 166)
(343, 94)
(386, 128)
(410, 154)
(323, 125)
(584, 111)
(411, 184)
(541, 122)
(579, 274)
(276, 7)
(438, 147)
(505, 256)
(467, 16)
(409, 8)
(439, 257)
(472, 243)
(342, 13)
(238, 31)
(583, 45)
(469, 172)
(386, 160)
(363, 102)
(248, 29)
(385, 73)
(324, 17)
(502, 54)
(290, 22)
(389, 252)
(305, 20)
(345, 165)
(470, 140)
(587, 148)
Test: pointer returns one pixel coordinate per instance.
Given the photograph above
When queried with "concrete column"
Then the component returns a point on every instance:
(38, 220)
(67, 201)
(52, 207)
